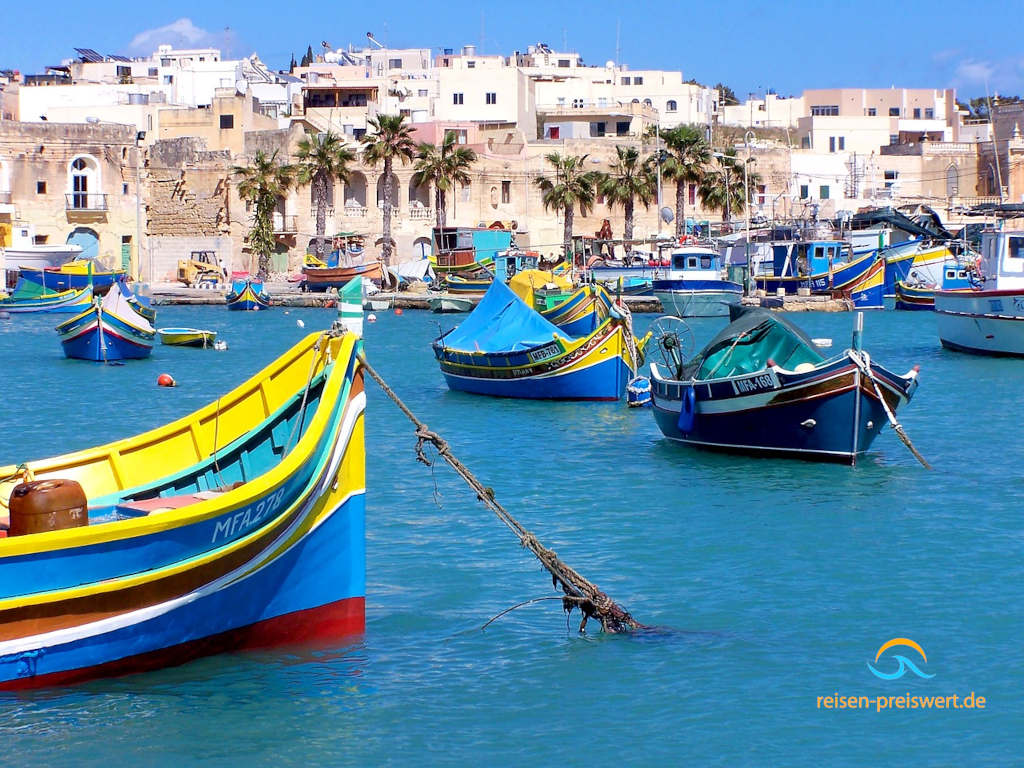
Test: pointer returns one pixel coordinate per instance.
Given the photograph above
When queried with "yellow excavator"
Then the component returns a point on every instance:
(200, 268)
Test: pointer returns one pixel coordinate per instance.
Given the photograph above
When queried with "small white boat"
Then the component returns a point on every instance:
(988, 320)
(693, 284)
(25, 252)
(450, 304)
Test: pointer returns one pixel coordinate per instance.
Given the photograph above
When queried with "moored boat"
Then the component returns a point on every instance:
(239, 525)
(187, 337)
(989, 319)
(506, 349)
(761, 386)
(322, 278)
(74, 275)
(448, 304)
(247, 294)
(110, 329)
(693, 285)
(27, 298)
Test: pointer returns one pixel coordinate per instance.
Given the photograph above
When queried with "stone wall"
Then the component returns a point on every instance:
(166, 251)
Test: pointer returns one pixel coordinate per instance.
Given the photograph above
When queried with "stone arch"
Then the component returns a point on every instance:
(419, 193)
(355, 190)
(87, 239)
(671, 106)
(396, 192)
(421, 248)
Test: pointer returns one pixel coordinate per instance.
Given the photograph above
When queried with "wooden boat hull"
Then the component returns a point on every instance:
(176, 572)
(829, 414)
(71, 277)
(103, 336)
(843, 278)
(582, 312)
(470, 285)
(322, 278)
(186, 337)
(249, 297)
(450, 304)
(697, 298)
(66, 301)
(981, 322)
(868, 292)
(913, 298)
(597, 367)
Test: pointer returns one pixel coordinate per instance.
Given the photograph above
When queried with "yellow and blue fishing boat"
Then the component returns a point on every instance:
(186, 337)
(476, 283)
(239, 525)
(111, 329)
(247, 294)
(74, 275)
(506, 349)
(29, 297)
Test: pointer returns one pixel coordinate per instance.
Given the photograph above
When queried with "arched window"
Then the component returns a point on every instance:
(84, 184)
(670, 106)
(952, 181)
(648, 103)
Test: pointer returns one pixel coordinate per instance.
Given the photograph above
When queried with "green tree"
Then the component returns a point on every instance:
(630, 180)
(261, 185)
(307, 57)
(722, 187)
(686, 156)
(390, 140)
(572, 188)
(728, 95)
(443, 166)
(323, 159)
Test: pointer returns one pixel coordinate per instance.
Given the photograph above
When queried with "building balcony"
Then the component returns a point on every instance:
(286, 224)
(354, 212)
(421, 214)
(85, 202)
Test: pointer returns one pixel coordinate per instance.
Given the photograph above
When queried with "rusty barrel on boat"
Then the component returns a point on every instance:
(47, 505)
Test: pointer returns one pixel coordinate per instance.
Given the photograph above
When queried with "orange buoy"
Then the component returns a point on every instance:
(165, 380)
(398, 311)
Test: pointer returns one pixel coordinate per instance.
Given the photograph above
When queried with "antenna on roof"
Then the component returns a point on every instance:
(372, 39)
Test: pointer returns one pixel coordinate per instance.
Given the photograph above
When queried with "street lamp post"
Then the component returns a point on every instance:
(746, 205)
(139, 138)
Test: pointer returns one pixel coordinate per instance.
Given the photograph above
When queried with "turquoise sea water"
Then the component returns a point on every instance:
(771, 582)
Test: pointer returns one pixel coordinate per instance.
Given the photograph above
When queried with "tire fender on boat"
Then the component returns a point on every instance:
(688, 410)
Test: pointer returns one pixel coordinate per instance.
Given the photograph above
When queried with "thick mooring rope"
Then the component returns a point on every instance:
(579, 592)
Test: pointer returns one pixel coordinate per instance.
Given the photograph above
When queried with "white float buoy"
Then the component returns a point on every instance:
(371, 318)
(300, 324)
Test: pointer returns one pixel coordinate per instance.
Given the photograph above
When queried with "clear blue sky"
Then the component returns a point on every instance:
(750, 46)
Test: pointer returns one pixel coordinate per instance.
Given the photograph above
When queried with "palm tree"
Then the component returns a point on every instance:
(630, 180)
(443, 166)
(262, 184)
(323, 158)
(572, 187)
(390, 139)
(723, 188)
(686, 155)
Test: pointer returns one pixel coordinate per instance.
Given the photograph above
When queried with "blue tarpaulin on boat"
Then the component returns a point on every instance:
(501, 322)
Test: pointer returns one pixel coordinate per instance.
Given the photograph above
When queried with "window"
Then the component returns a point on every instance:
(693, 194)
(405, 112)
(506, 192)
(597, 130)
(638, 81)
(831, 143)
(825, 110)
(842, 143)
(153, 72)
(394, 63)
(123, 71)
(124, 188)
(40, 239)
(40, 187)
(563, 63)
(890, 178)
(622, 128)
(168, 79)
(165, 62)
(648, 103)
(202, 58)
(762, 194)
(929, 113)
(422, 92)
(227, 121)
(470, 65)
(1015, 247)
(805, 192)
(894, 111)
(894, 138)
(577, 104)
(626, 81)
(872, 112)
(670, 106)
(456, 98)
(823, 192)
(358, 133)
(917, 113)
(554, 132)
(561, 101)
(492, 98)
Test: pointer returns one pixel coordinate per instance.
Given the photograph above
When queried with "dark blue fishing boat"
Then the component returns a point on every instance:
(111, 329)
(761, 386)
(247, 294)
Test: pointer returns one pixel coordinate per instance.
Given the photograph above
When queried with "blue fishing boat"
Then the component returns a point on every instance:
(899, 258)
(506, 349)
(868, 291)
(248, 294)
(581, 312)
(761, 386)
(823, 266)
(29, 298)
(240, 525)
(74, 275)
(916, 297)
(693, 285)
(111, 329)
(628, 286)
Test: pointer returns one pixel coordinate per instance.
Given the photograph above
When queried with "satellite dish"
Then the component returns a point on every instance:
(667, 215)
